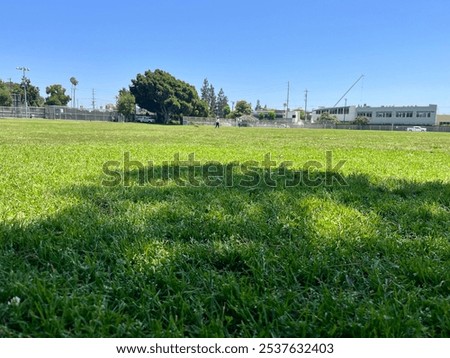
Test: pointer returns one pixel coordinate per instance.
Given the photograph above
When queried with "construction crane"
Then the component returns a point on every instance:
(353, 85)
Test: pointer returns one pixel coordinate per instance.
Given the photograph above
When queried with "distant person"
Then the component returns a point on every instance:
(217, 123)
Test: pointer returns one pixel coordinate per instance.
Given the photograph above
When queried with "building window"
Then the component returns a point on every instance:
(340, 110)
(384, 114)
(404, 114)
(346, 110)
(423, 114)
(365, 114)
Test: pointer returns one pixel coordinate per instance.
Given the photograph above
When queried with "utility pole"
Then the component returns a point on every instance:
(24, 81)
(345, 107)
(306, 104)
(287, 102)
(10, 89)
(93, 98)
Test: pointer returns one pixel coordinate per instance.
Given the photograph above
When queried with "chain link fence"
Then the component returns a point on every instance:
(57, 112)
(60, 112)
(287, 123)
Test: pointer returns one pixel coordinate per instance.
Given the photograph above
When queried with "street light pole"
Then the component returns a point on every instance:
(24, 80)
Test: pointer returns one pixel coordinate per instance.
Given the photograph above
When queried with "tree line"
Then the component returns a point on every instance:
(157, 92)
(170, 98)
(12, 94)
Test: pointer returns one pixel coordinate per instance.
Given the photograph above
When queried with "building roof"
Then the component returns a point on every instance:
(443, 118)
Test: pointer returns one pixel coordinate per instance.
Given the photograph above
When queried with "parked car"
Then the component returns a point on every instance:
(416, 129)
(144, 119)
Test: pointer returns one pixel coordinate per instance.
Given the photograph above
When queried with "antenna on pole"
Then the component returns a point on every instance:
(353, 85)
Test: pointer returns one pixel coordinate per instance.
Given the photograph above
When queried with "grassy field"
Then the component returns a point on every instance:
(318, 233)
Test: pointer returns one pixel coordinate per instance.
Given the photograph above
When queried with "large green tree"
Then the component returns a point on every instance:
(5, 97)
(208, 95)
(126, 103)
(217, 104)
(5, 94)
(327, 118)
(168, 97)
(15, 93)
(33, 96)
(242, 107)
(223, 109)
(361, 121)
(57, 95)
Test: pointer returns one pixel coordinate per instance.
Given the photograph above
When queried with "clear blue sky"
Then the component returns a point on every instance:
(249, 48)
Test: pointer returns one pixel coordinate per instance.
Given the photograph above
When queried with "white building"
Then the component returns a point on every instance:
(405, 115)
(343, 114)
(294, 116)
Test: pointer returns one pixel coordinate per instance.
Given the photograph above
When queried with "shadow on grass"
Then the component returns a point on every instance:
(153, 258)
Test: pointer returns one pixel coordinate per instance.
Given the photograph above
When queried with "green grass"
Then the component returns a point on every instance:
(156, 259)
